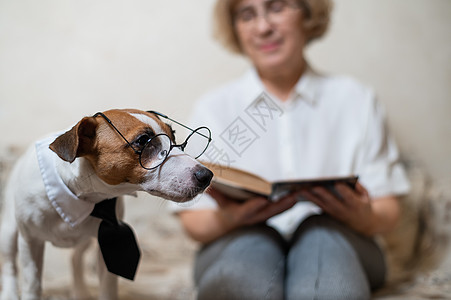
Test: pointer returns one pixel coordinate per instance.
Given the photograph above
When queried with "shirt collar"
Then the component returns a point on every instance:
(252, 87)
(306, 89)
(71, 209)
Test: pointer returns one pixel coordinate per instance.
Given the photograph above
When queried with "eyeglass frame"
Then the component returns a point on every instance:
(265, 14)
(172, 145)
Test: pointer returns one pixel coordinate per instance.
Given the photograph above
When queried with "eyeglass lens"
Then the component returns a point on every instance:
(157, 149)
(197, 142)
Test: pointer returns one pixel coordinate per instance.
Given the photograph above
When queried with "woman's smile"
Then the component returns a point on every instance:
(269, 46)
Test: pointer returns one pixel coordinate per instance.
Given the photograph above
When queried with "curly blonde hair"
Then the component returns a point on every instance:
(317, 17)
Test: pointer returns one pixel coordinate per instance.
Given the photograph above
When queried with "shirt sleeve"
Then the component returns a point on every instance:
(381, 171)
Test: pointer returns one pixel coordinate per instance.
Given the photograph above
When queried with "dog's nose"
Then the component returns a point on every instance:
(203, 176)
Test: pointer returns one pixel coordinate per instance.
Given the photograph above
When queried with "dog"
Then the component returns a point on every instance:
(98, 159)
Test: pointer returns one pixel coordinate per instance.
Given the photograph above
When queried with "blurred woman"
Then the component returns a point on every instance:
(282, 120)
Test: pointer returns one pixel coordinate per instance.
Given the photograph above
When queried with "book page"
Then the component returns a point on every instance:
(239, 179)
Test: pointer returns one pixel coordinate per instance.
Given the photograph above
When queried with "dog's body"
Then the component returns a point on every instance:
(92, 165)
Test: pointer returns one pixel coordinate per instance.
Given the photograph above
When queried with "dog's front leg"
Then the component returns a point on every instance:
(8, 245)
(31, 255)
(108, 282)
(80, 290)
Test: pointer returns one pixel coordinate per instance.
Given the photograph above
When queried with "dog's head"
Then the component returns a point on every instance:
(112, 143)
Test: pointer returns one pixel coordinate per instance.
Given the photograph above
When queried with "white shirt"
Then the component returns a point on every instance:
(330, 126)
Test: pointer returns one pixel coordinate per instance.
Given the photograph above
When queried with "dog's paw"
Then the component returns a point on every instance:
(9, 296)
(9, 291)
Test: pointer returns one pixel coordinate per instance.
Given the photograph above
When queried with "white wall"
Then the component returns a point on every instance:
(63, 59)
(403, 49)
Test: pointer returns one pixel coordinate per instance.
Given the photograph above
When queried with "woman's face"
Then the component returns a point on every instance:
(270, 33)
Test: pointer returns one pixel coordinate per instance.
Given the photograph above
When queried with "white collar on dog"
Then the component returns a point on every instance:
(72, 209)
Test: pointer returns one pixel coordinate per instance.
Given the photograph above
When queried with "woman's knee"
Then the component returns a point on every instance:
(230, 282)
(247, 246)
(248, 264)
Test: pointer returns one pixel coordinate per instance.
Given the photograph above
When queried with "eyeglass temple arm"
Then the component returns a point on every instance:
(117, 130)
(166, 117)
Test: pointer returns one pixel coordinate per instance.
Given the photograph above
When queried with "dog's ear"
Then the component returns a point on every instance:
(76, 142)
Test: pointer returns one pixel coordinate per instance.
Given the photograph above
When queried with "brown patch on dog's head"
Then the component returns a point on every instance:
(113, 159)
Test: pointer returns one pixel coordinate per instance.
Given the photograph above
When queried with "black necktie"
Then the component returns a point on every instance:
(117, 241)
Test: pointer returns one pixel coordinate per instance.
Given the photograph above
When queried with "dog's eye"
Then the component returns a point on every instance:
(142, 140)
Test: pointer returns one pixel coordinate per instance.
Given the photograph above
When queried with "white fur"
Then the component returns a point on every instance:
(29, 219)
(149, 121)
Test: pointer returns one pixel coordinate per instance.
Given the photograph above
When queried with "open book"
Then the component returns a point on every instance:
(241, 185)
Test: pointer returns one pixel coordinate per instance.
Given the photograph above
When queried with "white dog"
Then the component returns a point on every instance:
(54, 187)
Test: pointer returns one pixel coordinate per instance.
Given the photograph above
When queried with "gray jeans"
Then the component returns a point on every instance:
(323, 260)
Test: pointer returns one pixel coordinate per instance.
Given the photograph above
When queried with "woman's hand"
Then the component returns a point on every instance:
(354, 208)
(207, 225)
(252, 211)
